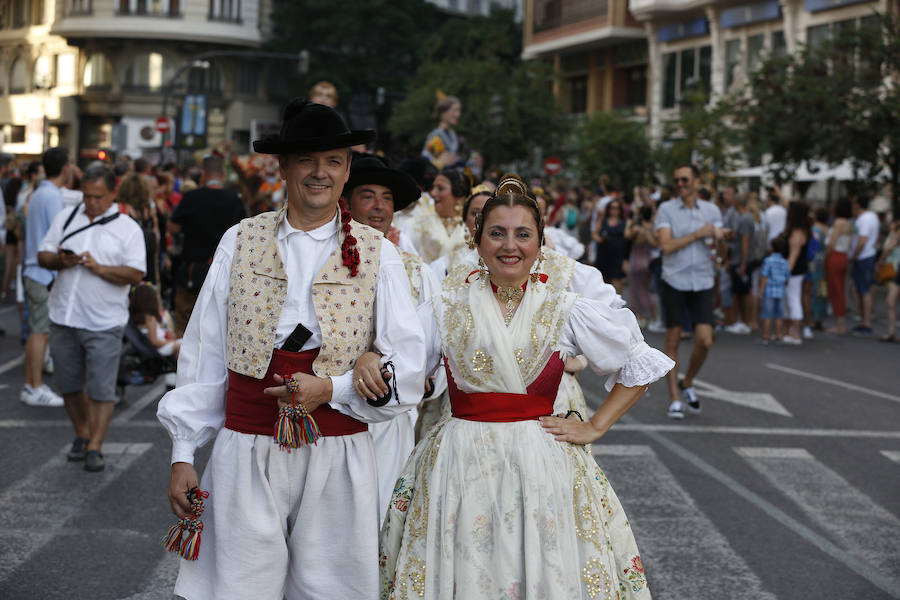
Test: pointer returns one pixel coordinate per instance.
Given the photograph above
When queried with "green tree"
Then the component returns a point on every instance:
(612, 144)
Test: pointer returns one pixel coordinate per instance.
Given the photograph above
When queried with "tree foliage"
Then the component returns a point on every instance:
(614, 145)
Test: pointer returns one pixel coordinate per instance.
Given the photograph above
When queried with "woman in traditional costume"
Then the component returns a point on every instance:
(441, 231)
(503, 500)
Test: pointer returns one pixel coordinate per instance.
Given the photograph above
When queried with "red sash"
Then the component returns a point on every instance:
(248, 410)
(498, 407)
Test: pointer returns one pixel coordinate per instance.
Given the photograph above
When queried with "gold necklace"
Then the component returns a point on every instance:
(511, 296)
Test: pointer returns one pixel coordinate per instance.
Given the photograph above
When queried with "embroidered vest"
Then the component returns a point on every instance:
(344, 305)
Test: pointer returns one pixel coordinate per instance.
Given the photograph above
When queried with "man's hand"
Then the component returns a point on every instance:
(314, 391)
(706, 231)
(367, 378)
(67, 260)
(183, 478)
(570, 430)
(88, 262)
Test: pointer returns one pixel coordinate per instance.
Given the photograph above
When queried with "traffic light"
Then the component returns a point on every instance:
(102, 154)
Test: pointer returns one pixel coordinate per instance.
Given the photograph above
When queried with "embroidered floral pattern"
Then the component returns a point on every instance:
(635, 574)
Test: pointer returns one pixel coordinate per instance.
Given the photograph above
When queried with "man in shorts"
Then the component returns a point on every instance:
(99, 254)
(865, 229)
(689, 230)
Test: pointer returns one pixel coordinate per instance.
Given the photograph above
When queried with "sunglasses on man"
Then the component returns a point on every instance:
(682, 180)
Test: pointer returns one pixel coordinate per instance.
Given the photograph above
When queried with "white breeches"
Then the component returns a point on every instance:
(394, 441)
(300, 525)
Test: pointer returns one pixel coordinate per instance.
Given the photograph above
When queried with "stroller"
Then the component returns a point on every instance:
(140, 363)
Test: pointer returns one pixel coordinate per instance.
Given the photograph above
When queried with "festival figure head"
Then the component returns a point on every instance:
(473, 205)
(449, 192)
(375, 192)
(509, 233)
(313, 149)
(325, 93)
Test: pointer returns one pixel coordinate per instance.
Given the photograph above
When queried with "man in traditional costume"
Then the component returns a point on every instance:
(291, 301)
(373, 194)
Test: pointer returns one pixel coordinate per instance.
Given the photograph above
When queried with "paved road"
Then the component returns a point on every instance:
(787, 485)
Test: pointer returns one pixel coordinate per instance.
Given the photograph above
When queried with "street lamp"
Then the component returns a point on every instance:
(495, 115)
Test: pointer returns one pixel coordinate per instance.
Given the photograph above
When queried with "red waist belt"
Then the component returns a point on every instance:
(496, 407)
(249, 410)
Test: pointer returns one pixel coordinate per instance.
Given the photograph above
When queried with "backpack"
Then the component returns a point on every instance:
(571, 218)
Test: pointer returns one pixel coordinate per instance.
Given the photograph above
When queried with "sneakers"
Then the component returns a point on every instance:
(861, 330)
(791, 340)
(676, 410)
(738, 328)
(78, 451)
(689, 395)
(43, 396)
(93, 461)
(657, 326)
(807, 333)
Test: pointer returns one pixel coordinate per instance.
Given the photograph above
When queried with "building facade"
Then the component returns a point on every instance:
(645, 56)
(478, 7)
(94, 74)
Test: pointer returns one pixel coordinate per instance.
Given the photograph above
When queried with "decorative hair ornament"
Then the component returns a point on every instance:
(188, 547)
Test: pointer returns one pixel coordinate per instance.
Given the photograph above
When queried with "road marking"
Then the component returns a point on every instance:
(837, 382)
(152, 395)
(861, 527)
(756, 400)
(12, 364)
(35, 509)
(824, 545)
(669, 527)
(721, 429)
(894, 455)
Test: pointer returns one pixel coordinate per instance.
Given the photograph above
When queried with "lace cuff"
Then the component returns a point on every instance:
(644, 366)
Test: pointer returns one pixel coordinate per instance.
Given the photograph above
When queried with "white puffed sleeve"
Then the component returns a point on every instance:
(613, 344)
(588, 282)
(194, 411)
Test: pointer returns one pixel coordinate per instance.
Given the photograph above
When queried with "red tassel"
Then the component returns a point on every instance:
(172, 541)
(189, 547)
(307, 428)
(190, 550)
(286, 433)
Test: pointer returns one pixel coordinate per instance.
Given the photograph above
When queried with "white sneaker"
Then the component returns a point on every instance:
(791, 340)
(738, 328)
(717, 313)
(27, 391)
(657, 326)
(44, 396)
(807, 333)
(676, 410)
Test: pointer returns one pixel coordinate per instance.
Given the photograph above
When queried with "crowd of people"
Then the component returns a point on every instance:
(392, 353)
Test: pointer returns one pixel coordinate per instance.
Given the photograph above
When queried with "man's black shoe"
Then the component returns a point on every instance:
(93, 461)
(79, 449)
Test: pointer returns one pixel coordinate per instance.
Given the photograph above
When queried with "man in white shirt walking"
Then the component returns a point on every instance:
(99, 254)
(865, 228)
(775, 213)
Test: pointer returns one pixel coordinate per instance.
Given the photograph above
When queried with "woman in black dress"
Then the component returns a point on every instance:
(609, 234)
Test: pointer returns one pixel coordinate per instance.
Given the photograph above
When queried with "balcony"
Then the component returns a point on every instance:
(550, 14)
(644, 10)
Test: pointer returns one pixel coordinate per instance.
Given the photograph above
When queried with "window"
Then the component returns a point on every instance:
(815, 36)
(636, 91)
(19, 17)
(96, 71)
(732, 62)
(208, 79)
(779, 44)
(247, 80)
(18, 78)
(37, 12)
(578, 97)
(755, 44)
(43, 73)
(690, 68)
(145, 72)
(225, 10)
(81, 7)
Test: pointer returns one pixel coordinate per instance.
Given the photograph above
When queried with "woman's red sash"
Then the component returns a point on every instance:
(497, 407)
(249, 410)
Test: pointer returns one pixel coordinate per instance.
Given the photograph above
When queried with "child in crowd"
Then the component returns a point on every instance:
(774, 277)
(148, 315)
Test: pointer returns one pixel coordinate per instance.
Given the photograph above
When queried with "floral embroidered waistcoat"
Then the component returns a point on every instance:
(344, 305)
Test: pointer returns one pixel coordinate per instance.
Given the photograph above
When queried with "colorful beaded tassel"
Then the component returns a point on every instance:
(188, 546)
(295, 427)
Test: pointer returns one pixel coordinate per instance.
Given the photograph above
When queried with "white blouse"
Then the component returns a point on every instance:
(194, 411)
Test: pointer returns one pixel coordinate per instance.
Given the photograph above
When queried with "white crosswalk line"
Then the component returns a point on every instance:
(34, 510)
(669, 528)
(855, 523)
(894, 455)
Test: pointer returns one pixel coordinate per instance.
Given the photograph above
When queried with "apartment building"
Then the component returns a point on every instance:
(478, 7)
(91, 74)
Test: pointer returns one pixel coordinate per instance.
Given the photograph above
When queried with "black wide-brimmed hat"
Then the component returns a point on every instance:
(372, 170)
(310, 127)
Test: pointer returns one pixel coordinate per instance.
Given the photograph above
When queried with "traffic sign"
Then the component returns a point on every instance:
(163, 125)
(552, 165)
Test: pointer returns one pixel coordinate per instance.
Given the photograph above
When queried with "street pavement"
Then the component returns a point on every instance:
(786, 486)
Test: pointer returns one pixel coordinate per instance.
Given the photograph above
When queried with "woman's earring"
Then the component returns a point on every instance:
(536, 274)
(482, 270)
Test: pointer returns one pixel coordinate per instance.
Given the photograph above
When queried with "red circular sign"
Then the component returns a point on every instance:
(552, 166)
(162, 124)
